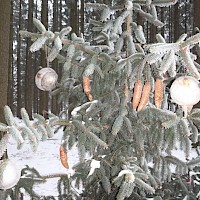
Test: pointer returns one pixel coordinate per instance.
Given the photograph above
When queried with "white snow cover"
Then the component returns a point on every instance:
(46, 160)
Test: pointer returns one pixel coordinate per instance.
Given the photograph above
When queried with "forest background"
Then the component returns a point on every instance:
(18, 65)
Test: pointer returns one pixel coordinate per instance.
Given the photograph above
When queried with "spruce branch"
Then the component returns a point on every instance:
(67, 42)
(3, 144)
(39, 25)
(79, 46)
(159, 3)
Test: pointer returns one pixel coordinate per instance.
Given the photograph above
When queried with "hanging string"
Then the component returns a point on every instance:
(49, 93)
(46, 54)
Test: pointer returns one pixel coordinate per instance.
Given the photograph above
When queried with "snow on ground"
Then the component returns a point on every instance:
(45, 160)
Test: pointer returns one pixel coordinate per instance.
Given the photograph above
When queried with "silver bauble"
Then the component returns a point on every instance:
(185, 91)
(9, 174)
(46, 79)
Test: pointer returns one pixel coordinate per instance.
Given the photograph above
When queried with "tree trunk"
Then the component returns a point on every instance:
(43, 99)
(36, 56)
(5, 7)
(4, 53)
(197, 24)
(176, 21)
(10, 69)
(162, 19)
(74, 16)
(170, 24)
(152, 33)
(60, 15)
(196, 13)
(82, 17)
(19, 85)
(29, 84)
(56, 15)
(197, 19)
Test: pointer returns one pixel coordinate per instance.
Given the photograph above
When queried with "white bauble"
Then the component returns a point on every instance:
(9, 174)
(185, 91)
(46, 79)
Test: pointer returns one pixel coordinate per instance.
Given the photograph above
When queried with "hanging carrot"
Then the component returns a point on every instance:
(145, 96)
(87, 88)
(63, 157)
(137, 94)
(158, 96)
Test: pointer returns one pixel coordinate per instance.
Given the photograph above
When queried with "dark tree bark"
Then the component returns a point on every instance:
(5, 7)
(4, 53)
(29, 84)
(153, 33)
(196, 18)
(176, 21)
(60, 15)
(139, 20)
(10, 69)
(56, 16)
(162, 19)
(19, 85)
(197, 24)
(74, 16)
(43, 99)
(36, 56)
(170, 25)
(82, 17)
(196, 13)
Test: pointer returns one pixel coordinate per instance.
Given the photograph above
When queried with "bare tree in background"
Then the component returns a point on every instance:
(74, 16)
(197, 20)
(5, 7)
(18, 63)
(4, 53)
(43, 98)
(196, 13)
(197, 24)
(29, 82)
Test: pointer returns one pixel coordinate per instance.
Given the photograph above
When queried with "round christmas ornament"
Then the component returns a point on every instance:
(185, 91)
(9, 174)
(46, 79)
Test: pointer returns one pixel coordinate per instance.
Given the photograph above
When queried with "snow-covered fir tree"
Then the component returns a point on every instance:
(127, 106)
